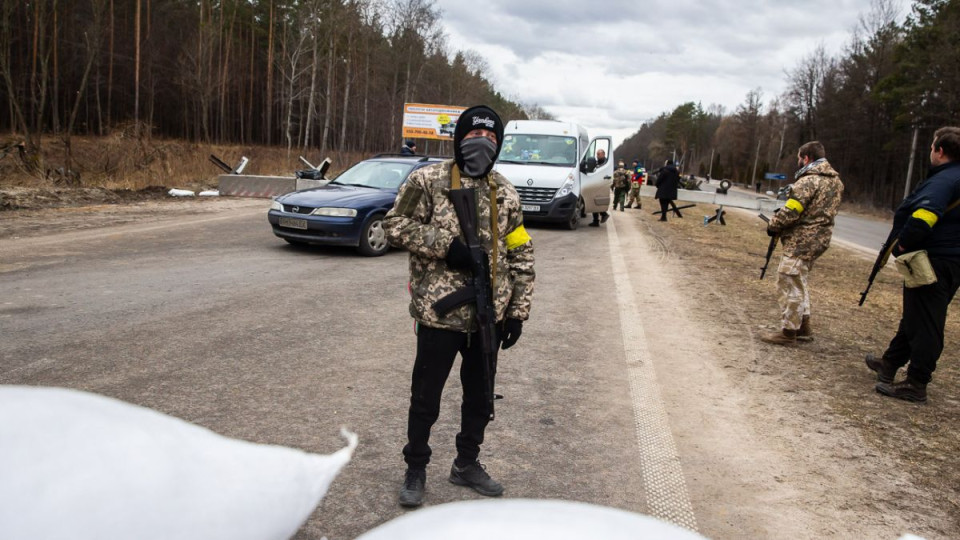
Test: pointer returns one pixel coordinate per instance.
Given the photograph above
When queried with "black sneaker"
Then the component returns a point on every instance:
(604, 217)
(885, 373)
(906, 390)
(594, 224)
(475, 476)
(414, 484)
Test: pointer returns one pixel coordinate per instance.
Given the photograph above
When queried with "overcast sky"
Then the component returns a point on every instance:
(613, 64)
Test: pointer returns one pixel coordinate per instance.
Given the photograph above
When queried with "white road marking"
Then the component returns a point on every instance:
(663, 482)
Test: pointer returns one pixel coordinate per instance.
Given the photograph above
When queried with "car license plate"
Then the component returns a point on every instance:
(293, 223)
(531, 208)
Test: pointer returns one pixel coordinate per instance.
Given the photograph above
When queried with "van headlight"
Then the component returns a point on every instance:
(335, 212)
(567, 187)
(274, 205)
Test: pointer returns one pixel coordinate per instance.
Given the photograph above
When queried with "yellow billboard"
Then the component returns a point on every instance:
(425, 121)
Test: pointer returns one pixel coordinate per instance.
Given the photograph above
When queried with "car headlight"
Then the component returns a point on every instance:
(567, 187)
(335, 212)
(274, 205)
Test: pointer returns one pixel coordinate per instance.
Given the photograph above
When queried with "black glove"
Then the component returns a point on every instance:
(458, 256)
(510, 332)
(771, 233)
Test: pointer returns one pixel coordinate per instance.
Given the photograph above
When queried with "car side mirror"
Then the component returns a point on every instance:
(588, 165)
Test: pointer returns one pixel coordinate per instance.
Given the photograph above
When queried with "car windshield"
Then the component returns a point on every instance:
(375, 174)
(539, 149)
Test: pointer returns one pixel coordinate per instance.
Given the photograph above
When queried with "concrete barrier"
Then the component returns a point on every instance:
(245, 185)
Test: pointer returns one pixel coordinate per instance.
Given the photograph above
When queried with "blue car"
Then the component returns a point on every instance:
(349, 210)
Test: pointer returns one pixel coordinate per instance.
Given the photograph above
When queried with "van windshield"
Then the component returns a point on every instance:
(539, 150)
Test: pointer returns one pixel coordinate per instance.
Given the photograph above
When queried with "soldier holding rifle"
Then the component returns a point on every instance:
(805, 226)
(425, 222)
(926, 220)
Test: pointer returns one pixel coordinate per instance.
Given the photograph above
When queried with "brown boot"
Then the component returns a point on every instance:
(783, 337)
(885, 372)
(805, 332)
(907, 390)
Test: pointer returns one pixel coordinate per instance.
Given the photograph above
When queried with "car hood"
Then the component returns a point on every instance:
(333, 195)
(542, 175)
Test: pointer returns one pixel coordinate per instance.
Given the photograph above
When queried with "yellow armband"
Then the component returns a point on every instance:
(926, 216)
(793, 204)
(517, 238)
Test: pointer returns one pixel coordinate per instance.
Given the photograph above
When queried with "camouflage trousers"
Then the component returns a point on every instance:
(794, 293)
(634, 197)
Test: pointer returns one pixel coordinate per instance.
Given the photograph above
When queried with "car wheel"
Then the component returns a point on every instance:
(373, 239)
(574, 220)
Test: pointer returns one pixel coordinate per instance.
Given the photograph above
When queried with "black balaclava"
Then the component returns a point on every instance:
(477, 151)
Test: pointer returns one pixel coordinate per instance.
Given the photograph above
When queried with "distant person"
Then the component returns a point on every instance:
(600, 217)
(925, 221)
(668, 181)
(636, 180)
(409, 147)
(804, 225)
(620, 185)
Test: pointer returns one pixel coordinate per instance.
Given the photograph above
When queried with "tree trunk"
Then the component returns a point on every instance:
(268, 106)
(346, 93)
(136, 69)
(329, 97)
(311, 97)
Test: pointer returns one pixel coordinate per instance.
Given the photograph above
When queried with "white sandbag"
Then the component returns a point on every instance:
(210, 193)
(525, 519)
(75, 465)
(174, 192)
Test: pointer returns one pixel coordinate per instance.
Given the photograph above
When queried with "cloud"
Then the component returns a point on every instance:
(616, 63)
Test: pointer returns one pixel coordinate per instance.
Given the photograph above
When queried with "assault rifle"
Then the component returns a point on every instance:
(885, 250)
(478, 292)
(772, 246)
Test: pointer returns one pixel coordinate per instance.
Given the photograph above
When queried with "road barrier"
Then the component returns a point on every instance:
(245, 185)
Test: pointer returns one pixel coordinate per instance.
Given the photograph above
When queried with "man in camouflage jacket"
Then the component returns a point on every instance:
(805, 226)
(424, 221)
(620, 185)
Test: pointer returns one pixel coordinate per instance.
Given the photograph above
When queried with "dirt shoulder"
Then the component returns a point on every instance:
(41, 212)
(817, 399)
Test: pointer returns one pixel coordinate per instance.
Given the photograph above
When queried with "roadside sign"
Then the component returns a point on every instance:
(775, 176)
(424, 121)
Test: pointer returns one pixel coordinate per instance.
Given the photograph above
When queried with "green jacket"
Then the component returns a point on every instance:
(806, 221)
(424, 222)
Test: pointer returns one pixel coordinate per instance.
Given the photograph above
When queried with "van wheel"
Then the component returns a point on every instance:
(574, 220)
(373, 239)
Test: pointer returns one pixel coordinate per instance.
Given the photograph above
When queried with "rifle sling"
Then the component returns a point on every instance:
(494, 230)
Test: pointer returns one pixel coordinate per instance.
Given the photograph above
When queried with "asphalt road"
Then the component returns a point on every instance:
(218, 322)
(212, 319)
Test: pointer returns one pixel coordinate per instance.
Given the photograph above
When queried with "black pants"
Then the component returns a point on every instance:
(666, 203)
(436, 351)
(919, 338)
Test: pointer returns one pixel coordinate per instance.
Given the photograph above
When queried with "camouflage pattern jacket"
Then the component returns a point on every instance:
(806, 221)
(621, 179)
(424, 222)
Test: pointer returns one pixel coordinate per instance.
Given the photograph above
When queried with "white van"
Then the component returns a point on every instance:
(554, 167)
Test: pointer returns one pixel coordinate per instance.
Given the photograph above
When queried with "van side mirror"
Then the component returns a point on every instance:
(588, 165)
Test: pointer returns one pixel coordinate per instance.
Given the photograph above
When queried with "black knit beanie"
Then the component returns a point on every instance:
(477, 117)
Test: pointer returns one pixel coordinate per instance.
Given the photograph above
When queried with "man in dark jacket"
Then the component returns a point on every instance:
(923, 222)
(409, 147)
(667, 183)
